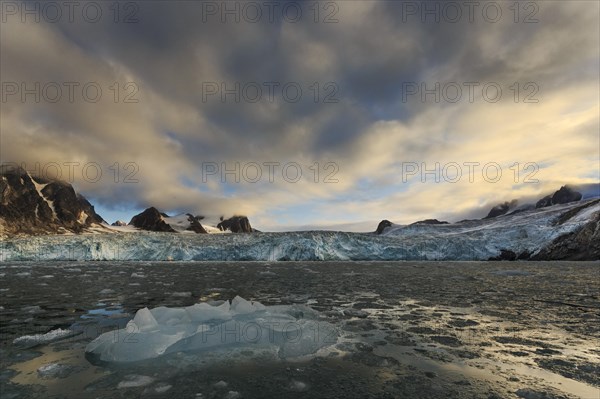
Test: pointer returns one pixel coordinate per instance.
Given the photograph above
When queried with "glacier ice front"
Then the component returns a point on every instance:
(286, 331)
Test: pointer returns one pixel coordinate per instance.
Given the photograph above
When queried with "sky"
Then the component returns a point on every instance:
(303, 114)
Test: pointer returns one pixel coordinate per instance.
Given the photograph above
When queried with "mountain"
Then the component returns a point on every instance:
(582, 243)
(429, 221)
(236, 224)
(382, 225)
(569, 231)
(559, 232)
(564, 195)
(563, 226)
(502, 209)
(32, 205)
(35, 205)
(152, 219)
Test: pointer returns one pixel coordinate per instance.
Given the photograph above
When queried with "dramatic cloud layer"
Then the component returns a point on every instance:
(363, 133)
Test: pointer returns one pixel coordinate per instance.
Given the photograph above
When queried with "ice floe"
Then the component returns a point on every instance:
(285, 331)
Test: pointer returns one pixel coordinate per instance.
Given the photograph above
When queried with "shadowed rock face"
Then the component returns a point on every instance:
(564, 195)
(501, 209)
(429, 221)
(505, 254)
(236, 224)
(583, 244)
(33, 205)
(382, 225)
(195, 225)
(152, 220)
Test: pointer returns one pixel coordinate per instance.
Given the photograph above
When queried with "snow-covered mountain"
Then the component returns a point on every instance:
(559, 226)
(152, 219)
(34, 205)
(566, 231)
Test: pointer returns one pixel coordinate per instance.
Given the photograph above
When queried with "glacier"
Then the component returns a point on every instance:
(526, 231)
(220, 327)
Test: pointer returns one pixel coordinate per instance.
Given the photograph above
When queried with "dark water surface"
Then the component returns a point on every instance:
(406, 329)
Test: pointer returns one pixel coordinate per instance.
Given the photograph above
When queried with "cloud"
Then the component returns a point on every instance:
(365, 62)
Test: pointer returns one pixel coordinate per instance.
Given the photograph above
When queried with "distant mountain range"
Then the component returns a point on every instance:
(564, 225)
(32, 205)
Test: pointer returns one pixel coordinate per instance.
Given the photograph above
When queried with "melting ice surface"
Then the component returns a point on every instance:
(287, 331)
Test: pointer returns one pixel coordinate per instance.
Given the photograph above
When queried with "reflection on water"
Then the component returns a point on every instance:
(422, 330)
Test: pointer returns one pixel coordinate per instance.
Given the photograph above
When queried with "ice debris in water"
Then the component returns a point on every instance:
(134, 381)
(290, 331)
(28, 341)
(55, 370)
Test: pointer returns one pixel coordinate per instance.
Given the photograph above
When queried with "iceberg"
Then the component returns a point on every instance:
(287, 331)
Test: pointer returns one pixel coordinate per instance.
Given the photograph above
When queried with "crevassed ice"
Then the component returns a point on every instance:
(527, 231)
(288, 331)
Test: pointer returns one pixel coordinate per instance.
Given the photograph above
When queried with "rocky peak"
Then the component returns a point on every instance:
(564, 195)
(152, 220)
(429, 221)
(501, 209)
(34, 205)
(195, 225)
(382, 225)
(235, 224)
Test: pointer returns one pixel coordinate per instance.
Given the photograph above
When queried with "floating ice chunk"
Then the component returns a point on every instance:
(144, 320)
(182, 294)
(288, 331)
(241, 306)
(201, 312)
(221, 384)
(134, 381)
(233, 395)
(28, 341)
(162, 387)
(31, 309)
(298, 386)
(170, 316)
(55, 370)
(137, 275)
